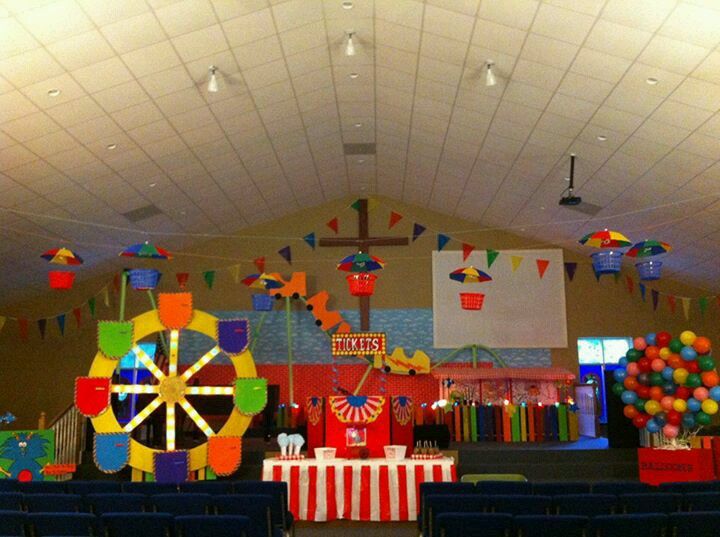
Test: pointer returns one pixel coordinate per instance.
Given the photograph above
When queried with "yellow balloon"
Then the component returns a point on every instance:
(710, 407)
(680, 375)
(652, 407)
(665, 352)
(680, 405)
(688, 337)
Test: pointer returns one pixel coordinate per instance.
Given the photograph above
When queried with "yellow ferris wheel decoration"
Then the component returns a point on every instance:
(118, 338)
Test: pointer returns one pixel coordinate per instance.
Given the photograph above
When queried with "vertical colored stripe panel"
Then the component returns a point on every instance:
(563, 423)
(466, 423)
(384, 493)
(515, 424)
(473, 423)
(364, 493)
(277, 473)
(419, 478)
(506, 424)
(531, 423)
(554, 422)
(573, 426)
(498, 419)
(402, 492)
(312, 492)
(437, 473)
(330, 492)
(523, 423)
(295, 491)
(458, 426)
(540, 424)
(348, 483)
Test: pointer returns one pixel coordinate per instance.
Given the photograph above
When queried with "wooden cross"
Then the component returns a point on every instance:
(362, 242)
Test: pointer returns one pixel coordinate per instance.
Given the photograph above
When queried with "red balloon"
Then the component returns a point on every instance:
(692, 366)
(652, 352)
(683, 392)
(663, 339)
(630, 383)
(642, 391)
(701, 345)
(674, 417)
(641, 420)
(630, 411)
(710, 378)
(657, 393)
(675, 361)
(644, 364)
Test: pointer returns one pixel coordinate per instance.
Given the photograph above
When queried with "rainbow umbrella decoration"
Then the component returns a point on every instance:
(262, 281)
(146, 250)
(470, 275)
(648, 248)
(605, 239)
(62, 256)
(360, 262)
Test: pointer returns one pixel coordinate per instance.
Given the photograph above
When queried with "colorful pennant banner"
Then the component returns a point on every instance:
(467, 250)
(394, 219)
(492, 255)
(515, 261)
(182, 279)
(570, 268)
(418, 229)
(209, 277)
(310, 239)
(442, 241)
(333, 224)
(286, 254)
(542, 265)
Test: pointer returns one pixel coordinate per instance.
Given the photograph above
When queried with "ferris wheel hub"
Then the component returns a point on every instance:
(172, 389)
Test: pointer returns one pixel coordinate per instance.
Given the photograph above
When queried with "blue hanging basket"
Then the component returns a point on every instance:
(262, 302)
(144, 279)
(607, 261)
(649, 270)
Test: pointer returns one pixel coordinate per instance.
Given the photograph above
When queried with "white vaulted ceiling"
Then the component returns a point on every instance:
(133, 74)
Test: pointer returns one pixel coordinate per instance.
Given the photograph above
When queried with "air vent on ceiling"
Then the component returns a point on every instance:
(142, 213)
(359, 149)
(586, 208)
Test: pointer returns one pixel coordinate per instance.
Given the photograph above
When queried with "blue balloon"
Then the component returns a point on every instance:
(694, 405)
(619, 375)
(669, 388)
(623, 362)
(715, 393)
(652, 426)
(688, 353)
(688, 420)
(628, 397)
(650, 338)
(667, 373)
(660, 418)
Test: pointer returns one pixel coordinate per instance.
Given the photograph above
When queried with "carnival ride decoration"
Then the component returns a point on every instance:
(360, 265)
(467, 275)
(62, 279)
(609, 259)
(648, 269)
(114, 446)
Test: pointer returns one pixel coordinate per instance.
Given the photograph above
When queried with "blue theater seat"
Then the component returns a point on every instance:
(585, 504)
(12, 523)
(138, 524)
(619, 487)
(53, 503)
(652, 502)
(551, 525)
(474, 525)
(640, 525)
(116, 503)
(75, 524)
(10, 501)
(503, 487)
(695, 524)
(207, 487)
(182, 504)
(93, 487)
(519, 504)
(436, 504)
(212, 526)
(257, 507)
(701, 501)
(281, 516)
(554, 488)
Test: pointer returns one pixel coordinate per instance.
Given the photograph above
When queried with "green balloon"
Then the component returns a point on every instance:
(702, 419)
(706, 363)
(676, 345)
(693, 380)
(633, 355)
(640, 404)
(656, 379)
(618, 388)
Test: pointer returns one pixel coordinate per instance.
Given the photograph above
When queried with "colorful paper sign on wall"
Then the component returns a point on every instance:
(224, 454)
(250, 395)
(115, 338)
(23, 454)
(111, 451)
(233, 335)
(354, 343)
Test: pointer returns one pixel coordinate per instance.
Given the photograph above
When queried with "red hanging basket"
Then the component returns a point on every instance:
(61, 280)
(471, 301)
(361, 283)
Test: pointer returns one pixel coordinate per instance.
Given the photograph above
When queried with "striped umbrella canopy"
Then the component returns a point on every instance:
(62, 256)
(605, 239)
(147, 250)
(360, 262)
(262, 281)
(648, 248)
(469, 275)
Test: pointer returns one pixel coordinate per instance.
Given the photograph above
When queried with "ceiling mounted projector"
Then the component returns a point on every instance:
(570, 199)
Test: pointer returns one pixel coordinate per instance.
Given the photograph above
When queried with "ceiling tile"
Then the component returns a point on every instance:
(29, 67)
(74, 112)
(698, 93)
(599, 65)
(200, 43)
(249, 28)
(294, 13)
(102, 75)
(515, 13)
(14, 105)
(673, 55)
(29, 127)
(447, 23)
(38, 93)
(14, 39)
(81, 50)
(617, 39)
(164, 82)
(549, 51)
(643, 14)
(151, 59)
(554, 22)
(55, 21)
(584, 87)
(103, 13)
(405, 12)
(695, 24)
(397, 36)
(258, 52)
(139, 114)
(122, 96)
(186, 16)
(133, 33)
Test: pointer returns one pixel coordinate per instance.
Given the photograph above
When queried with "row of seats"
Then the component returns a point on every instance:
(145, 487)
(700, 524)
(16, 524)
(552, 488)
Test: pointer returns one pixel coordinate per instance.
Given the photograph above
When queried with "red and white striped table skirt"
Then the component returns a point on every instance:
(353, 489)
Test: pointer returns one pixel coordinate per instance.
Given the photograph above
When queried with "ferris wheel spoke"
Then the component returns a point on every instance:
(135, 388)
(196, 417)
(173, 358)
(142, 415)
(170, 426)
(202, 362)
(209, 390)
(148, 362)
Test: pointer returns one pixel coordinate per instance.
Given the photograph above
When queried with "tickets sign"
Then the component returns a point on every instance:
(354, 343)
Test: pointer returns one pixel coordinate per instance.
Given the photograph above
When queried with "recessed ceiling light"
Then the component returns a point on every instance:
(347, 5)
(542, 207)
(360, 160)
(601, 138)
(357, 125)
(54, 92)
(353, 75)
(152, 185)
(111, 146)
(651, 80)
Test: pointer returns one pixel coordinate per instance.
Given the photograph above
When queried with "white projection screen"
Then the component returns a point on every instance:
(520, 310)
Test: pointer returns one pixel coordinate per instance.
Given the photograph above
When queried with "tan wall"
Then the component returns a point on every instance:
(39, 375)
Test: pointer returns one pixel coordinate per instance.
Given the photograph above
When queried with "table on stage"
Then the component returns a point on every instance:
(357, 489)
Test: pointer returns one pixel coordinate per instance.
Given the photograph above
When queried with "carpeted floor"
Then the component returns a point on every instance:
(355, 529)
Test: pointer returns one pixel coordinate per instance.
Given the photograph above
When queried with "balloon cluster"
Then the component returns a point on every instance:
(667, 383)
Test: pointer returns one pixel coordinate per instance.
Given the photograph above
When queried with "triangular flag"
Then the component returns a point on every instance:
(310, 239)
(333, 224)
(235, 273)
(671, 303)
(642, 291)
(597, 275)
(491, 256)
(542, 265)
(630, 283)
(703, 303)
(418, 229)
(286, 253)
(655, 296)
(78, 316)
(116, 283)
(442, 241)
(91, 305)
(355, 205)
(42, 325)
(182, 279)
(515, 260)
(372, 203)
(61, 323)
(23, 325)
(394, 219)
(260, 263)
(209, 277)
(570, 268)
(467, 250)
(686, 307)
(106, 297)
